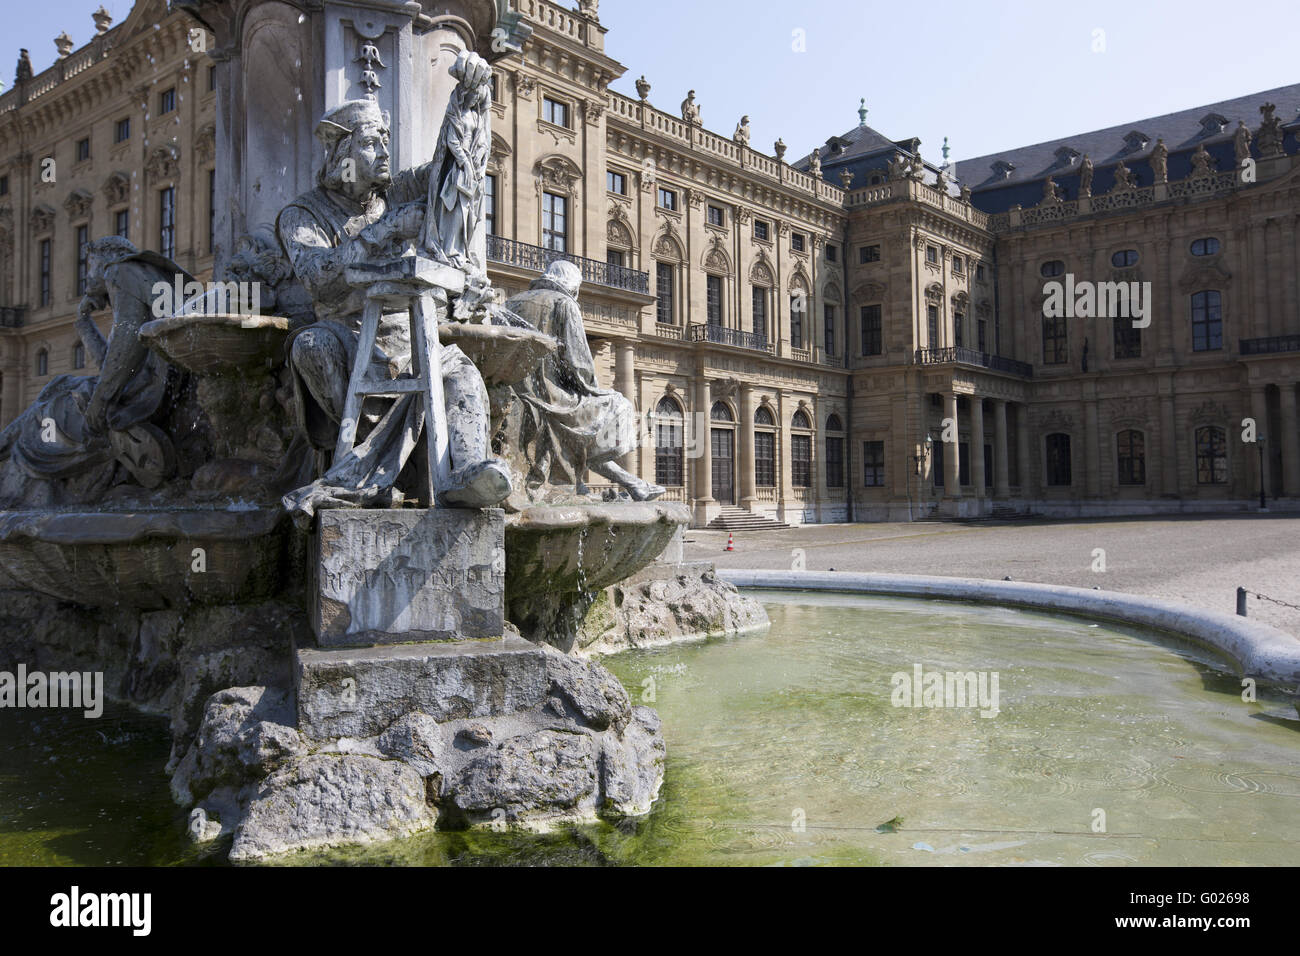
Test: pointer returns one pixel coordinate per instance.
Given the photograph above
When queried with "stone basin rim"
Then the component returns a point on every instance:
(1257, 650)
(125, 527)
(231, 320)
(540, 518)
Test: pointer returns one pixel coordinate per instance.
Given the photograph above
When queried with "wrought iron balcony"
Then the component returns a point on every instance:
(11, 316)
(514, 253)
(965, 356)
(1272, 343)
(721, 335)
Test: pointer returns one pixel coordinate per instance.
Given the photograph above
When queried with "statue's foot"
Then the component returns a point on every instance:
(645, 491)
(477, 486)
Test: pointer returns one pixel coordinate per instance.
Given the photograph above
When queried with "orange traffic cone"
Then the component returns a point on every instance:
(730, 544)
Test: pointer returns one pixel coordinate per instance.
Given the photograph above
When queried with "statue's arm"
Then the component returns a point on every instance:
(124, 355)
(320, 265)
(87, 330)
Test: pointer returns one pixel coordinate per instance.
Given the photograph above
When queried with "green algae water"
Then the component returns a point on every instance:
(1110, 747)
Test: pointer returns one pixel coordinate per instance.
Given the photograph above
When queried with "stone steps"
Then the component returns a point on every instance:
(738, 519)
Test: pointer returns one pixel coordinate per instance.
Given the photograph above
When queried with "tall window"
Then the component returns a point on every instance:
(78, 356)
(801, 460)
(212, 210)
(834, 453)
(553, 111)
(45, 271)
(980, 328)
(1128, 340)
(871, 331)
(828, 328)
(1055, 341)
(616, 183)
(83, 239)
(797, 304)
(761, 229)
(764, 448)
(212, 79)
(122, 130)
(759, 297)
(42, 362)
(668, 443)
(932, 326)
(490, 204)
(83, 149)
(1132, 457)
(1058, 459)
(664, 291)
(555, 222)
(959, 329)
(1211, 456)
(167, 100)
(667, 199)
(122, 223)
(1207, 321)
(873, 464)
(167, 222)
(713, 300)
(614, 257)
(4, 185)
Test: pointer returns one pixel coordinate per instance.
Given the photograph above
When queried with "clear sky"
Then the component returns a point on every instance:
(988, 74)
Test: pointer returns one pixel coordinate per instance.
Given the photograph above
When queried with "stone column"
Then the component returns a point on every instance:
(1290, 442)
(1022, 452)
(1169, 477)
(745, 459)
(977, 445)
(951, 450)
(625, 385)
(1259, 411)
(1091, 449)
(1001, 483)
(697, 441)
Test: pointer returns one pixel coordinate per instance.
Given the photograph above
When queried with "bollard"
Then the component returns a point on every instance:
(1241, 602)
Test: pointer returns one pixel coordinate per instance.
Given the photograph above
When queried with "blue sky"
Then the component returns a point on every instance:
(989, 75)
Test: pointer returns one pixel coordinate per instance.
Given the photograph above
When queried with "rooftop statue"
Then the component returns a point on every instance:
(87, 434)
(691, 110)
(1085, 176)
(360, 213)
(567, 422)
(741, 135)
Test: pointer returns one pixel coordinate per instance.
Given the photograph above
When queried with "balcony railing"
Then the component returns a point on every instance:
(721, 335)
(514, 253)
(965, 356)
(11, 316)
(1273, 343)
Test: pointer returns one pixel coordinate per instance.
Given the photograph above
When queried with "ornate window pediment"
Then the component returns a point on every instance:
(869, 291)
(42, 218)
(760, 273)
(1056, 421)
(1209, 412)
(934, 293)
(78, 204)
(716, 259)
(117, 188)
(557, 173)
(799, 281)
(667, 246)
(205, 144)
(1206, 274)
(163, 164)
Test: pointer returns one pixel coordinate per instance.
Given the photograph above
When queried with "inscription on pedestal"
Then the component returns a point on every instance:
(391, 576)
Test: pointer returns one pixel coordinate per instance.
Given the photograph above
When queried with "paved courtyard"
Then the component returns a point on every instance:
(1199, 560)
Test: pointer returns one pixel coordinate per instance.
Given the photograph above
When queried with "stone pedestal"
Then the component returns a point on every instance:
(396, 576)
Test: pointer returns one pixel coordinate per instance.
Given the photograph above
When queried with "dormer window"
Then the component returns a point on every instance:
(1067, 156)
(1136, 140)
(1002, 169)
(1212, 124)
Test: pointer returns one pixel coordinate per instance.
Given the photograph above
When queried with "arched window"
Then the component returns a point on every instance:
(1207, 321)
(668, 443)
(764, 447)
(1209, 246)
(1053, 268)
(1130, 448)
(721, 413)
(801, 451)
(1058, 459)
(78, 356)
(834, 452)
(798, 305)
(43, 362)
(1124, 258)
(1211, 456)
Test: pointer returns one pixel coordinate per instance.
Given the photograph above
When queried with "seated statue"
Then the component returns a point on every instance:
(569, 424)
(87, 434)
(360, 213)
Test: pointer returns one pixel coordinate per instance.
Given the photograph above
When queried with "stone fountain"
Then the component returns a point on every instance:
(354, 585)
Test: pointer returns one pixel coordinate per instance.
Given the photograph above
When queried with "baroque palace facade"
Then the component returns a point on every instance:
(855, 335)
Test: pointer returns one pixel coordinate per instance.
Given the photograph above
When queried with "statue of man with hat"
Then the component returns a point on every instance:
(361, 212)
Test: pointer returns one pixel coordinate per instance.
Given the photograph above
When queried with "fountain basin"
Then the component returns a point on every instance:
(145, 560)
(504, 355)
(218, 343)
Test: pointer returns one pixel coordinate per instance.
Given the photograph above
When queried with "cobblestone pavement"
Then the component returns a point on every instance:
(1200, 560)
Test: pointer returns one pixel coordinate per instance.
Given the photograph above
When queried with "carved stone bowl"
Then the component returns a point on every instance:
(219, 343)
(503, 355)
(148, 560)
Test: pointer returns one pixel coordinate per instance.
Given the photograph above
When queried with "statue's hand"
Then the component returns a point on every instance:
(407, 222)
(472, 70)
